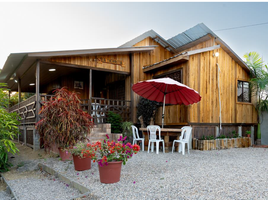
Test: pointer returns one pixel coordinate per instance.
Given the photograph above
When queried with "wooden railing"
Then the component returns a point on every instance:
(97, 107)
(26, 110)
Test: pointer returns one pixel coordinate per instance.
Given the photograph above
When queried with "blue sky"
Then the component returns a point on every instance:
(30, 27)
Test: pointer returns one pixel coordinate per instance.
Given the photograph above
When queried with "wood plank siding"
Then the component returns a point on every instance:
(201, 74)
(96, 62)
(199, 71)
(143, 59)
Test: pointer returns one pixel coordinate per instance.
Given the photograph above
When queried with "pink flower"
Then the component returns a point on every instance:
(107, 136)
(134, 182)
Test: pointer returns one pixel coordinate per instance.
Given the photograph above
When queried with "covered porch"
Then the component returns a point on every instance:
(102, 78)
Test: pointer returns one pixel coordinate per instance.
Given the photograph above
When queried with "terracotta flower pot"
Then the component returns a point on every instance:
(65, 155)
(81, 164)
(110, 173)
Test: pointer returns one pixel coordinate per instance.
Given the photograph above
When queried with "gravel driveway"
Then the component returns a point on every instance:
(218, 174)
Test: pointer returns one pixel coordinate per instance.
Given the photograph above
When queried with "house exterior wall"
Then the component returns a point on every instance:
(144, 59)
(201, 74)
(203, 77)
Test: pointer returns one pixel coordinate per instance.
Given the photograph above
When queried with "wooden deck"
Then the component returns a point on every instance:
(98, 107)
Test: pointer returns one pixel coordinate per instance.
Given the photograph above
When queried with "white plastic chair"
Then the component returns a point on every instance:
(136, 136)
(152, 131)
(102, 113)
(95, 107)
(184, 139)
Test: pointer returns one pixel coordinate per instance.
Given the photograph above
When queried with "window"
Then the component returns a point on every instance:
(243, 92)
(176, 75)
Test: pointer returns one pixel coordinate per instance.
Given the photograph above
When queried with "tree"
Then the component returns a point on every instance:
(259, 83)
(8, 130)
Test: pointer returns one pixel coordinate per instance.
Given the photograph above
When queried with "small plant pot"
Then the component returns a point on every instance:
(110, 173)
(65, 155)
(249, 135)
(81, 164)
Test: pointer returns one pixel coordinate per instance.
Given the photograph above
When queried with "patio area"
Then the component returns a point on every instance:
(219, 174)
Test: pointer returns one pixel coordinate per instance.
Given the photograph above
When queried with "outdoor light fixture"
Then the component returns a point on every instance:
(32, 84)
(15, 81)
(216, 54)
(52, 70)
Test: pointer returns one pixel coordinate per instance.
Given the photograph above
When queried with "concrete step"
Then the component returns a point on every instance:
(96, 129)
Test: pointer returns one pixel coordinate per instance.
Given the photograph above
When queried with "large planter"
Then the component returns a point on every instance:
(110, 173)
(81, 164)
(226, 143)
(65, 155)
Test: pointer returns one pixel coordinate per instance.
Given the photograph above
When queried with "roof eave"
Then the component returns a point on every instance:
(228, 50)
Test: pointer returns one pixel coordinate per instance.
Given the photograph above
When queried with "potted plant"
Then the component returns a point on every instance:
(110, 155)
(82, 154)
(63, 122)
(248, 133)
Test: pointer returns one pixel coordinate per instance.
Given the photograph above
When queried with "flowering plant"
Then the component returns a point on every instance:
(108, 151)
(83, 150)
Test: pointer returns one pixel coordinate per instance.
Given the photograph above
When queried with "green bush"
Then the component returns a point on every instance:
(8, 130)
(146, 109)
(209, 137)
(116, 121)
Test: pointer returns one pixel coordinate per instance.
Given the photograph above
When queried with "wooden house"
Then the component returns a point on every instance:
(197, 57)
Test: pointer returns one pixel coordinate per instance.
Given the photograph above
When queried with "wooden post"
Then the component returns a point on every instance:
(90, 91)
(19, 89)
(166, 141)
(36, 141)
(131, 60)
(252, 135)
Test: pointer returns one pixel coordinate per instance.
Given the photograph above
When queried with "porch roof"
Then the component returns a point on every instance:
(23, 61)
(179, 58)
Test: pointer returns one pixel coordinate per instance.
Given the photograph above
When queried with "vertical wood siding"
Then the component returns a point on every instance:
(201, 74)
(88, 61)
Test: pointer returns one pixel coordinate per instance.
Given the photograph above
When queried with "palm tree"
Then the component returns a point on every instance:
(259, 82)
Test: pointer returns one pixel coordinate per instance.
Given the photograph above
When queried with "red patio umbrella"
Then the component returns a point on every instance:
(166, 91)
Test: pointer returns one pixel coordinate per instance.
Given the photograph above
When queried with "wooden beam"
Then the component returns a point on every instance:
(109, 51)
(194, 43)
(203, 50)
(84, 67)
(178, 59)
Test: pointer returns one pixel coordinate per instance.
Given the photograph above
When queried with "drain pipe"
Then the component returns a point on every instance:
(219, 94)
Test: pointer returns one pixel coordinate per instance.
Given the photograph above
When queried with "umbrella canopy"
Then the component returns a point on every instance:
(167, 91)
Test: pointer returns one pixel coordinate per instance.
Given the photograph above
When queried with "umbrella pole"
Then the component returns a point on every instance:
(163, 112)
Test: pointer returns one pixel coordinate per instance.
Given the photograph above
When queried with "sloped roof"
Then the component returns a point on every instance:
(25, 60)
(153, 35)
(190, 35)
(187, 39)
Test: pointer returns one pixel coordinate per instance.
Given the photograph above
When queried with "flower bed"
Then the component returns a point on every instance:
(226, 143)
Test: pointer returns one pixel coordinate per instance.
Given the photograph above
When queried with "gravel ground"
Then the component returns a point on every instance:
(5, 196)
(41, 186)
(219, 174)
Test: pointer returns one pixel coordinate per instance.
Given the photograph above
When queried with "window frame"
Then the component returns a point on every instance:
(165, 74)
(236, 97)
